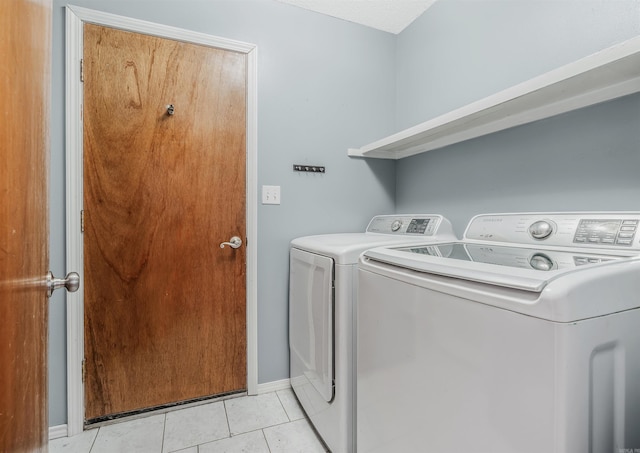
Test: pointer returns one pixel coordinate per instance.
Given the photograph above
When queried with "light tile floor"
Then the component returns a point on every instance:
(269, 423)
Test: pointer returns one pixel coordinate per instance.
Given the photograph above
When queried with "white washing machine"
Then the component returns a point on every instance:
(321, 331)
(524, 337)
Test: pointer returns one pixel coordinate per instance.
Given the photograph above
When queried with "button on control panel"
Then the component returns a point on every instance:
(581, 260)
(606, 232)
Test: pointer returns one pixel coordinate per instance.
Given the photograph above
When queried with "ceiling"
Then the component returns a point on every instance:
(391, 16)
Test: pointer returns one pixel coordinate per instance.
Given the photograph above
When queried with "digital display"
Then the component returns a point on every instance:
(418, 226)
(600, 226)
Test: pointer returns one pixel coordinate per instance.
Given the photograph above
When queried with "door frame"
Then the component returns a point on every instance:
(76, 17)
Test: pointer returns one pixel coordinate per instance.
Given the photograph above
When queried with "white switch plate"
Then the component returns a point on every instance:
(270, 194)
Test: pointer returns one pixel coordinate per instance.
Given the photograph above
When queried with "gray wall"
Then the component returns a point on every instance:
(324, 85)
(461, 51)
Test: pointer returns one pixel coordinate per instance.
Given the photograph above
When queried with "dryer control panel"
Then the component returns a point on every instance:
(611, 230)
(409, 224)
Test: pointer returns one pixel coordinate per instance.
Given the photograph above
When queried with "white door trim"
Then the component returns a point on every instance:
(75, 18)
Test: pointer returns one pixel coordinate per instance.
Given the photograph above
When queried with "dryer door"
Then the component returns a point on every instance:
(311, 321)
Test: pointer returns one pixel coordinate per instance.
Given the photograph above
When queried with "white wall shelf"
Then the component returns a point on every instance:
(611, 73)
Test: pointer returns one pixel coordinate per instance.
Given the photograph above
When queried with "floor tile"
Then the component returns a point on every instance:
(81, 443)
(195, 425)
(253, 442)
(142, 435)
(290, 404)
(267, 423)
(254, 412)
(294, 437)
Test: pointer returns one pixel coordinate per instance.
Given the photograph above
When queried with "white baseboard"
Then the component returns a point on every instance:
(56, 432)
(274, 386)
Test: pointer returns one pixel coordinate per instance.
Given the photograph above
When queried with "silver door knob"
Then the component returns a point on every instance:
(71, 282)
(235, 242)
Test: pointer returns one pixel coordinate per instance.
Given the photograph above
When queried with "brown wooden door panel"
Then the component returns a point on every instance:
(25, 43)
(164, 304)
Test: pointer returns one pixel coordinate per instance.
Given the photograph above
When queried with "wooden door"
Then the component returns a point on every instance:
(25, 43)
(164, 303)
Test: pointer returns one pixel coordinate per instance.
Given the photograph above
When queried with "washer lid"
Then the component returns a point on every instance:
(383, 230)
(525, 268)
(345, 248)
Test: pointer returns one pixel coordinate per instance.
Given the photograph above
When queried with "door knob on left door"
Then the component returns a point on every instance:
(71, 282)
(235, 242)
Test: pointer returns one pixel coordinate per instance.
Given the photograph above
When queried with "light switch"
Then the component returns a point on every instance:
(270, 194)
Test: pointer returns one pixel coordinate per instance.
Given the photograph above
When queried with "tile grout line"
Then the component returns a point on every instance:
(226, 416)
(283, 408)
(164, 430)
(266, 441)
(93, 443)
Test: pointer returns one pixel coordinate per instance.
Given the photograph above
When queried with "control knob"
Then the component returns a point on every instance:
(541, 262)
(541, 229)
(395, 226)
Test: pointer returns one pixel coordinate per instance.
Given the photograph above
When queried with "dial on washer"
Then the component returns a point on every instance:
(541, 262)
(395, 226)
(541, 229)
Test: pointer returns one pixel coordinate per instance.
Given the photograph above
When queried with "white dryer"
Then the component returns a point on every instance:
(321, 320)
(524, 337)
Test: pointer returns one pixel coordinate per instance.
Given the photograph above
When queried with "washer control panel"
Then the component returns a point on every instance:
(611, 232)
(580, 229)
(417, 224)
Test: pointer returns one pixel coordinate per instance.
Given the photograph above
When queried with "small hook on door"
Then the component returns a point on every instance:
(170, 109)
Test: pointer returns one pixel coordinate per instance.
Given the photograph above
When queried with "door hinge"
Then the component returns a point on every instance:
(82, 221)
(82, 69)
(84, 369)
